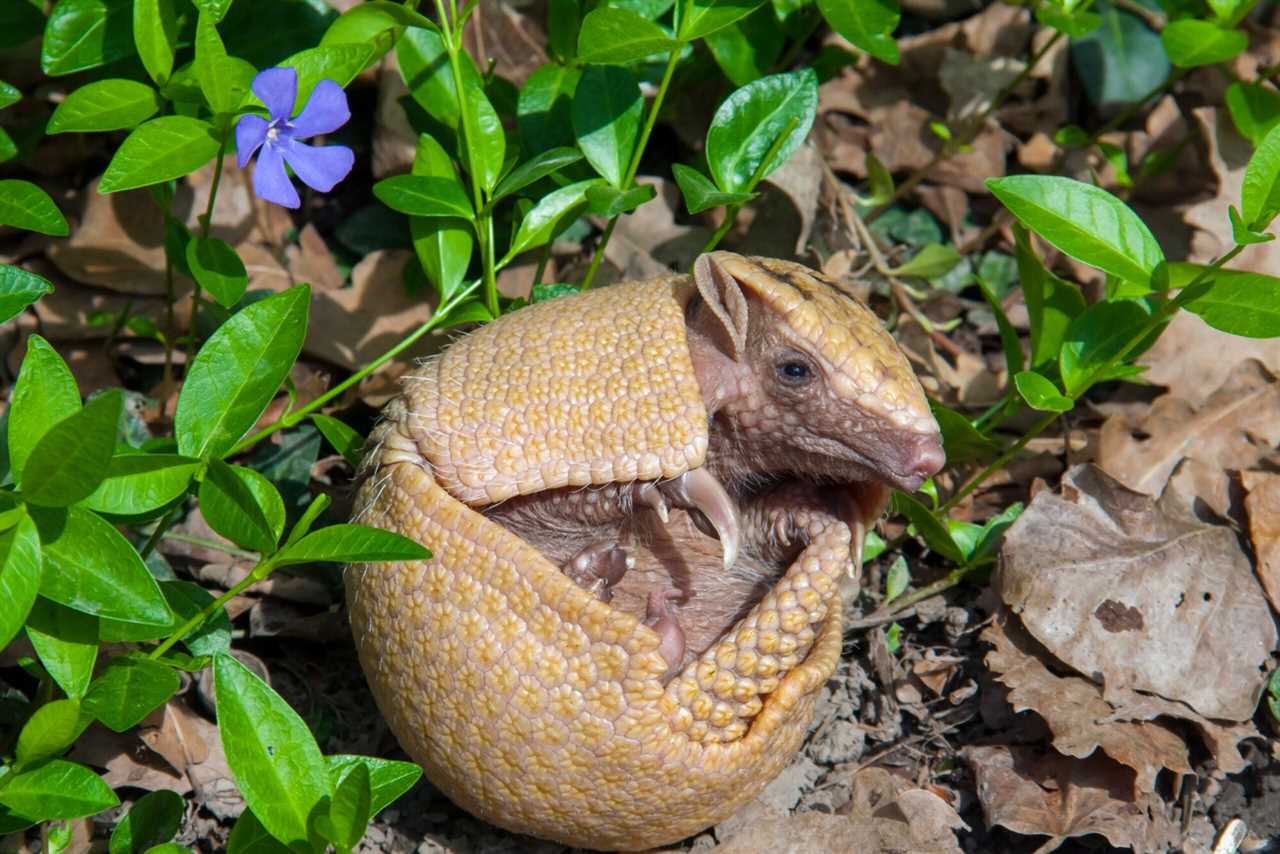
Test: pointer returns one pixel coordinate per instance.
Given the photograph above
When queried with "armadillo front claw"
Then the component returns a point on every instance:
(699, 490)
(599, 567)
(671, 641)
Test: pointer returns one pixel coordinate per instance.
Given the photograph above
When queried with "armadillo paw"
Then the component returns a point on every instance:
(598, 567)
(714, 511)
(659, 617)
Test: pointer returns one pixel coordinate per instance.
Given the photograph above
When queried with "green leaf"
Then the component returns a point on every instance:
(351, 544)
(19, 288)
(249, 516)
(1121, 61)
(1074, 24)
(1191, 43)
(607, 106)
(83, 34)
(128, 689)
(139, 483)
(703, 17)
(747, 126)
(160, 150)
(880, 179)
(1095, 337)
(272, 754)
(1052, 303)
(112, 104)
(1009, 342)
(218, 269)
(928, 526)
(992, 532)
(238, 371)
(544, 110)
(211, 59)
(350, 809)
(388, 778)
(187, 600)
(91, 567)
(930, 262)
(1241, 232)
(56, 789)
(339, 63)
(897, 580)
(24, 205)
(424, 65)
(486, 141)
(1040, 393)
(418, 195)
(748, 49)
(868, 24)
(442, 243)
(609, 202)
(700, 194)
(613, 35)
(344, 440)
(67, 643)
(1246, 304)
(1260, 194)
(248, 836)
(19, 577)
(70, 460)
(365, 22)
(155, 33)
(542, 165)
(44, 394)
(1083, 221)
(152, 820)
(549, 217)
(959, 437)
(50, 730)
(1255, 109)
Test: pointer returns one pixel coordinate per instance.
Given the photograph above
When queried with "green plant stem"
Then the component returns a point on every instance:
(158, 533)
(259, 572)
(206, 543)
(998, 463)
(205, 222)
(634, 166)
(732, 211)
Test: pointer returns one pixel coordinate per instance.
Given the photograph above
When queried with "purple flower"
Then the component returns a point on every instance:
(318, 168)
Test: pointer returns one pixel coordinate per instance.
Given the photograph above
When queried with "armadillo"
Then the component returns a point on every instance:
(641, 501)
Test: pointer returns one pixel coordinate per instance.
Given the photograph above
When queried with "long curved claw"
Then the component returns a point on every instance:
(699, 490)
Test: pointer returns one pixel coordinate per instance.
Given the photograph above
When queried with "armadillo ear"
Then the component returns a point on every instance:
(723, 295)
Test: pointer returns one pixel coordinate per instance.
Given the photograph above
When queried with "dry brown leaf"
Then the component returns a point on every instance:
(800, 180)
(191, 744)
(126, 763)
(311, 261)
(1139, 595)
(1234, 429)
(1040, 794)
(649, 241)
(1074, 709)
(1193, 360)
(1263, 506)
(394, 139)
(1221, 738)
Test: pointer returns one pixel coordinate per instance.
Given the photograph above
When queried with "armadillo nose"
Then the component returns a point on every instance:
(929, 457)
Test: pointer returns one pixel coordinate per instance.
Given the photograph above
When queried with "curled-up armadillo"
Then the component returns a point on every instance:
(641, 501)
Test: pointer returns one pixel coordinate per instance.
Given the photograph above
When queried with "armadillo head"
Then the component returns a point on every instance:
(801, 379)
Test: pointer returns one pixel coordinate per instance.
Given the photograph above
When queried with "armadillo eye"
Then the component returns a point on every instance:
(794, 373)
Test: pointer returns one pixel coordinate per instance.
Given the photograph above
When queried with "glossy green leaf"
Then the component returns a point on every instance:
(959, 437)
(218, 269)
(486, 141)
(248, 836)
(700, 194)
(867, 24)
(1255, 109)
(91, 567)
(747, 126)
(880, 180)
(1191, 43)
(152, 820)
(424, 65)
(351, 544)
(337, 62)
(748, 49)
(1009, 342)
(1040, 393)
(988, 544)
(20, 568)
(350, 809)
(211, 58)
(216, 8)
(19, 288)
(238, 371)
(56, 789)
(703, 17)
(442, 243)
(1095, 337)
(83, 34)
(1052, 303)
(1260, 194)
(930, 262)
(609, 202)
(544, 109)
(535, 169)
(160, 150)
(43, 395)
(139, 483)
(70, 460)
(607, 107)
(550, 216)
(112, 104)
(344, 440)
(233, 508)
(614, 35)
(66, 642)
(388, 778)
(1241, 303)
(418, 195)
(1074, 24)
(896, 580)
(128, 689)
(155, 34)
(365, 22)
(50, 730)
(928, 527)
(24, 205)
(272, 754)
(1084, 221)
(1120, 61)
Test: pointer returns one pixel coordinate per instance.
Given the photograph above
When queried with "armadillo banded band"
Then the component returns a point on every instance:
(540, 709)
(605, 393)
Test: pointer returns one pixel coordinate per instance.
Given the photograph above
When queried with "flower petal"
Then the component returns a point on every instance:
(277, 87)
(319, 168)
(270, 181)
(325, 111)
(251, 131)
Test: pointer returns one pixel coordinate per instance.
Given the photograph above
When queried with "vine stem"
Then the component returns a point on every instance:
(205, 221)
(634, 166)
(259, 572)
